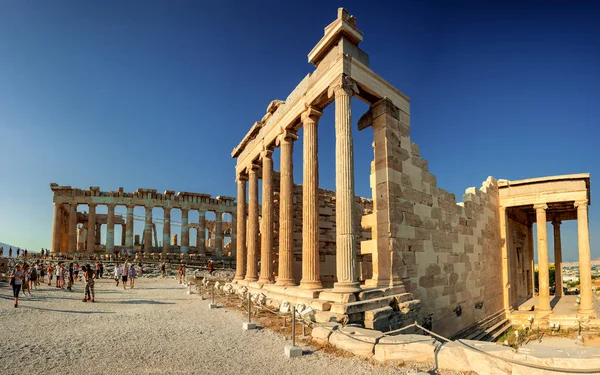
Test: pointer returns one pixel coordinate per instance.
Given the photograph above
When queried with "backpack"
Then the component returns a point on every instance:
(33, 272)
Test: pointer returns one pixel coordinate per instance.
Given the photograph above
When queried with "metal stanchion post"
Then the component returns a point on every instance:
(292, 351)
(212, 305)
(249, 325)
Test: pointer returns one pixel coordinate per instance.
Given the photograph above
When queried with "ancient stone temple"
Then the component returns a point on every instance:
(212, 235)
(409, 251)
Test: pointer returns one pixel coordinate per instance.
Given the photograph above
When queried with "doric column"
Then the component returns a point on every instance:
(148, 231)
(185, 231)
(91, 229)
(72, 235)
(286, 210)
(505, 263)
(251, 271)
(201, 233)
(98, 233)
(123, 233)
(166, 240)
(218, 234)
(344, 188)
(544, 277)
(311, 276)
(586, 305)
(557, 259)
(110, 229)
(266, 236)
(129, 228)
(240, 262)
(56, 229)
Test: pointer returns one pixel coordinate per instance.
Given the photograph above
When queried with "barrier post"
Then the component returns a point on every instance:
(293, 351)
(213, 305)
(249, 325)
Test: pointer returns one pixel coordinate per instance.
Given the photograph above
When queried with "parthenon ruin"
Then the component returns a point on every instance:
(410, 251)
(67, 219)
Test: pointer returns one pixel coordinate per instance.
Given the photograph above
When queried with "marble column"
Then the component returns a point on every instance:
(311, 276)
(129, 228)
(344, 188)
(505, 261)
(72, 234)
(586, 305)
(185, 231)
(531, 289)
(544, 277)
(240, 262)
(557, 259)
(56, 229)
(123, 234)
(252, 265)
(148, 231)
(110, 229)
(218, 234)
(98, 233)
(201, 233)
(91, 229)
(166, 238)
(233, 245)
(286, 210)
(266, 236)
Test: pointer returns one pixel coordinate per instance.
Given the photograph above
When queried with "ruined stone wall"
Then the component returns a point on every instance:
(450, 256)
(327, 231)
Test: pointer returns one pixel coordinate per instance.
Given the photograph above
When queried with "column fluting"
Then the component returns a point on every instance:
(91, 228)
(286, 210)
(586, 305)
(110, 229)
(558, 291)
(129, 228)
(185, 231)
(166, 240)
(544, 276)
(72, 234)
(266, 236)
(252, 266)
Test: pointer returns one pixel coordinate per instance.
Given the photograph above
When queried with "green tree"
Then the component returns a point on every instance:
(551, 272)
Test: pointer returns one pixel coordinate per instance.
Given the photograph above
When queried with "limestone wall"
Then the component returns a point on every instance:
(450, 256)
(327, 231)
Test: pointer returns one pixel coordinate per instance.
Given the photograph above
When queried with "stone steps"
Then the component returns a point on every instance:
(494, 332)
(470, 332)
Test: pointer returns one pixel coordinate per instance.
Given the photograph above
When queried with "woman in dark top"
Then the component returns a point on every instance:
(17, 277)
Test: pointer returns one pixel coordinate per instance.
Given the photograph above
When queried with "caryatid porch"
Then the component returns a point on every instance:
(540, 200)
(66, 219)
(342, 72)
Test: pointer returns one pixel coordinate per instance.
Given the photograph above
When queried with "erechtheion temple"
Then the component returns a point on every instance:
(409, 251)
(211, 235)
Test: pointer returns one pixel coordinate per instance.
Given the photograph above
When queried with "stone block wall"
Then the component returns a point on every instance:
(449, 252)
(363, 206)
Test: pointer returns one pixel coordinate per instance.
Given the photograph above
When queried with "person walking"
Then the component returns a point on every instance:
(25, 285)
(71, 277)
(163, 269)
(10, 252)
(210, 267)
(50, 273)
(16, 280)
(88, 276)
(117, 274)
(62, 274)
(124, 273)
(132, 276)
(33, 277)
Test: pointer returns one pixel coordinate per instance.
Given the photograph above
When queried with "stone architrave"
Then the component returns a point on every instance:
(72, 235)
(544, 275)
(129, 228)
(286, 210)
(586, 306)
(185, 231)
(266, 237)
(201, 233)
(311, 278)
(110, 229)
(91, 229)
(558, 291)
(344, 187)
(166, 241)
(218, 234)
(148, 231)
(252, 265)
(56, 229)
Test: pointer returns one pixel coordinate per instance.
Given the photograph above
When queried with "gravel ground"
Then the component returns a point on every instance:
(155, 328)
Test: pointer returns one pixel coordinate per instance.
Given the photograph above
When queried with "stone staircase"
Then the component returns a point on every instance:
(489, 329)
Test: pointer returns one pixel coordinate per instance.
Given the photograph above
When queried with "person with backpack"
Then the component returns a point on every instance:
(88, 276)
(33, 276)
(16, 281)
(132, 276)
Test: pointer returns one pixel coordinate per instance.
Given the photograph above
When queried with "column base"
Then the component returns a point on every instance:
(286, 282)
(264, 281)
(346, 287)
(238, 277)
(586, 312)
(251, 279)
(311, 284)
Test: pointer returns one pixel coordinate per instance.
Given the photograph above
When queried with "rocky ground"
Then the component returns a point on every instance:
(154, 328)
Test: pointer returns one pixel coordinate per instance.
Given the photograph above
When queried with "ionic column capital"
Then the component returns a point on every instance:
(310, 115)
(540, 206)
(242, 177)
(344, 85)
(581, 204)
(252, 168)
(556, 222)
(286, 136)
(266, 154)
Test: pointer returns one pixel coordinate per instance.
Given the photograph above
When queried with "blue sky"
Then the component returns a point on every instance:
(156, 94)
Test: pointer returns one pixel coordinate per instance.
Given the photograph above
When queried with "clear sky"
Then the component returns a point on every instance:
(156, 94)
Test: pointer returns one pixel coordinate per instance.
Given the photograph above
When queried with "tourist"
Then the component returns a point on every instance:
(101, 269)
(1, 252)
(25, 253)
(25, 286)
(132, 276)
(16, 280)
(18, 252)
(210, 267)
(76, 271)
(141, 268)
(10, 252)
(117, 273)
(50, 273)
(97, 270)
(42, 273)
(33, 277)
(180, 273)
(62, 275)
(71, 274)
(123, 252)
(124, 273)
(88, 276)
(163, 269)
